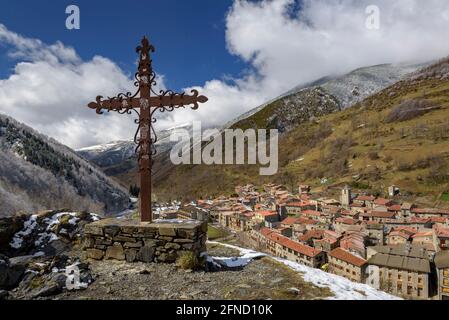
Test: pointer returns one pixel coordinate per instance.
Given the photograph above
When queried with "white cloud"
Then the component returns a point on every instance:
(326, 37)
(50, 89)
(284, 48)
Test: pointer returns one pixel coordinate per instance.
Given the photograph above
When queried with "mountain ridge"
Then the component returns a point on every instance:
(39, 173)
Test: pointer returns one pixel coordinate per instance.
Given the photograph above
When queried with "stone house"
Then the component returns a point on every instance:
(304, 189)
(354, 241)
(406, 209)
(442, 266)
(393, 191)
(326, 244)
(381, 204)
(265, 216)
(396, 208)
(290, 221)
(348, 265)
(365, 200)
(376, 234)
(284, 231)
(398, 237)
(349, 214)
(310, 236)
(402, 270)
(224, 218)
(286, 248)
(344, 224)
(312, 214)
(429, 212)
(441, 238)
(378, 216)
(423, 238)
(412, 222)
(345, 197)
(294, 208)
(329, 242)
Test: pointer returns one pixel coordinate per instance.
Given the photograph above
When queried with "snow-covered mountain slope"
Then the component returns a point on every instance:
(118, 159)
(113, 153)
(37, 173)
(108, 154)
(347, 89)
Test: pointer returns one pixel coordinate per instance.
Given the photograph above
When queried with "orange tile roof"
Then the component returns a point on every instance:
(312, 234)
(295, 246)
(266, 213)
(380, 214)
(294, 204)
(311, 213)
(438, 219)
(365, 198)
(286, 242)
(346, 221)
(344, 255)
(430, 211)
(423, 234)
(419, 220)
(399, 234)
(407, 230)
(290, 220)
(395, 207)
(382, 201)
(442, 232)
(306, 221)
(265, 231)
(356, 205)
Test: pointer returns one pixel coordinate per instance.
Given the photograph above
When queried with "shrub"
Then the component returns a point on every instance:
(410, 109)
(189, 261)
(372, 155)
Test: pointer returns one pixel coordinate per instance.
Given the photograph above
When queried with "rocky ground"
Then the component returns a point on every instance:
(41, 258)
(261, 279)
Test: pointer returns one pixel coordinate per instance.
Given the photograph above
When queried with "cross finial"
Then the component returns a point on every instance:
(145, 45)
(146, 104)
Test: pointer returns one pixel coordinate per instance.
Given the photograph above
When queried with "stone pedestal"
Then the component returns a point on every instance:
(131, 240)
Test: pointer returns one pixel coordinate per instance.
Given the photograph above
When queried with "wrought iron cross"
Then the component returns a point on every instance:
(147, 104)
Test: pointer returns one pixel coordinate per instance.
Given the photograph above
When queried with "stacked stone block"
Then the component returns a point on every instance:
(133, 241)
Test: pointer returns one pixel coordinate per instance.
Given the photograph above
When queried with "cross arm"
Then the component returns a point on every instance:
(169, 100)
(121, 104)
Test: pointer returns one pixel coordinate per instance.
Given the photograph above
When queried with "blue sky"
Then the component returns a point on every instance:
(189, 35)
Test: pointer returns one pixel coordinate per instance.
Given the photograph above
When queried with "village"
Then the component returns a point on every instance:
(397, 247)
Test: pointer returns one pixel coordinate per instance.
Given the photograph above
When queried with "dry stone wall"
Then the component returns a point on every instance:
(131, 240)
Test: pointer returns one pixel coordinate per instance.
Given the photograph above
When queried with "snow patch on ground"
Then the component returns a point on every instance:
(28, 227)
(246, 257)
(343, 288)
(236, 262)
(44, 232)
(174, 221)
